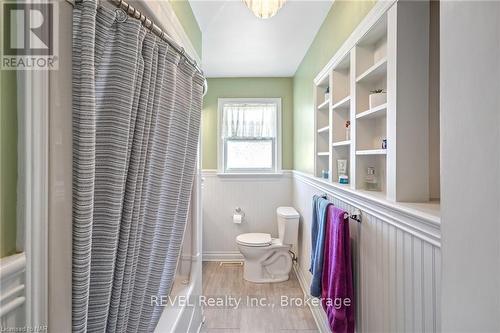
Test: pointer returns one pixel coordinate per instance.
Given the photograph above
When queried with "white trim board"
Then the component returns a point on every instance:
(33, 155)
(222, 256)
(246, 176)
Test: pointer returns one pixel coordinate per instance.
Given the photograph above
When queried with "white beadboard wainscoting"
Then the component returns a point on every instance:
(396, 254)
(396, 247)
(13, 291)
(258, 197)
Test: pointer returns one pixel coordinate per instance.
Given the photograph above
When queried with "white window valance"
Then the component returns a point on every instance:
(249, 121)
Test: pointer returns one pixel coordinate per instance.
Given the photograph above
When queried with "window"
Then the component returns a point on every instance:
(249, 135)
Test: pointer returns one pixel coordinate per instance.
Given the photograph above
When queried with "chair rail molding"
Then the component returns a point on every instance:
(420, 224)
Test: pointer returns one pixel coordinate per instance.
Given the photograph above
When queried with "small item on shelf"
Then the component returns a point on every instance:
(347, 130)
(377, 97)
(327, 93)
(344, 179)
(371, 183)
(324, 173)
(384, 144)
(342, 172)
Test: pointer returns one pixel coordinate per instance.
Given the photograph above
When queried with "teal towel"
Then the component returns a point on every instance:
(320, 206)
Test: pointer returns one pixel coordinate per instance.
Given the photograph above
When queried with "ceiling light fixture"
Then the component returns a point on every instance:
(264, 8)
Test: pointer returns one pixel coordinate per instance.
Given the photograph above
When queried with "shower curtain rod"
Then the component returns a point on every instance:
(149, 24)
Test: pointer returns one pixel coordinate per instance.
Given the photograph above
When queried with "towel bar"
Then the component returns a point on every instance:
(356, 215)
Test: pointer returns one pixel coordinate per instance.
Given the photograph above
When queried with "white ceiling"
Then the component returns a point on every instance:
(238, 44)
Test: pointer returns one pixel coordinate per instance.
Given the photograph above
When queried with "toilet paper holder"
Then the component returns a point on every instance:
(239, 211)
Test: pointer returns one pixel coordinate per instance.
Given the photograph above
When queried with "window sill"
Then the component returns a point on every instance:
(252, 174)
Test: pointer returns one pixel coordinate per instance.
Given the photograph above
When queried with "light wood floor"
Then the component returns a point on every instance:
(227, 280)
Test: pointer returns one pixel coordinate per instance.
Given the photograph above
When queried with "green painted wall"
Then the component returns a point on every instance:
(184, 13)
(246, 87)
(8, 162)
(341, 20)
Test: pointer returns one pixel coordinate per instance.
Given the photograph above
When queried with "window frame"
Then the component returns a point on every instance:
(222, 143)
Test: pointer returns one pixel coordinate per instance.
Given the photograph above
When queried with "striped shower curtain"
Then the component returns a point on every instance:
(136, 118)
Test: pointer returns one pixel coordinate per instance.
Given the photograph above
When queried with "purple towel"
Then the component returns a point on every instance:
(337, 286)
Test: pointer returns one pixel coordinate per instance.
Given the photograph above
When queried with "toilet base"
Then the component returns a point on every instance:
(259, 279)
(275, 268)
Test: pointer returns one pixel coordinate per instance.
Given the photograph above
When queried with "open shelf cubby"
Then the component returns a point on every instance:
(341, 82)
(339, 153)
(339, 119)
(371, 51)
(378, 163)
(322, 163)
(370, 132)
(322, 142)
(376, 87)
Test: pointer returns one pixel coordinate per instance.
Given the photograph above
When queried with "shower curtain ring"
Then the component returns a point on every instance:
(128, 6)
(183, 56)
(121, 16)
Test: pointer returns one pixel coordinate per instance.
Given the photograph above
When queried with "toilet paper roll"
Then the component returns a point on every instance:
(237, 218)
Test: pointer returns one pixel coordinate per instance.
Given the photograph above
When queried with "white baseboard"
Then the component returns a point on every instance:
(222, 256)
(317, 312)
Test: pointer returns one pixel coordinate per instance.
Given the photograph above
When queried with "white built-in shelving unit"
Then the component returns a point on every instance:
(392, 55)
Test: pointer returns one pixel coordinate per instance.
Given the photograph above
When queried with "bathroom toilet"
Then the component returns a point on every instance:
(269, 259)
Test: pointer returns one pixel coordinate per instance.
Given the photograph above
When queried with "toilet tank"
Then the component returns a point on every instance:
(288, 225)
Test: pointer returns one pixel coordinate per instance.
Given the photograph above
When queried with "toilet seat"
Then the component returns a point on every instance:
(255, 239)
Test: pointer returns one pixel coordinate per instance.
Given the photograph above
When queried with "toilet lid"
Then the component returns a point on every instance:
(254, 239)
